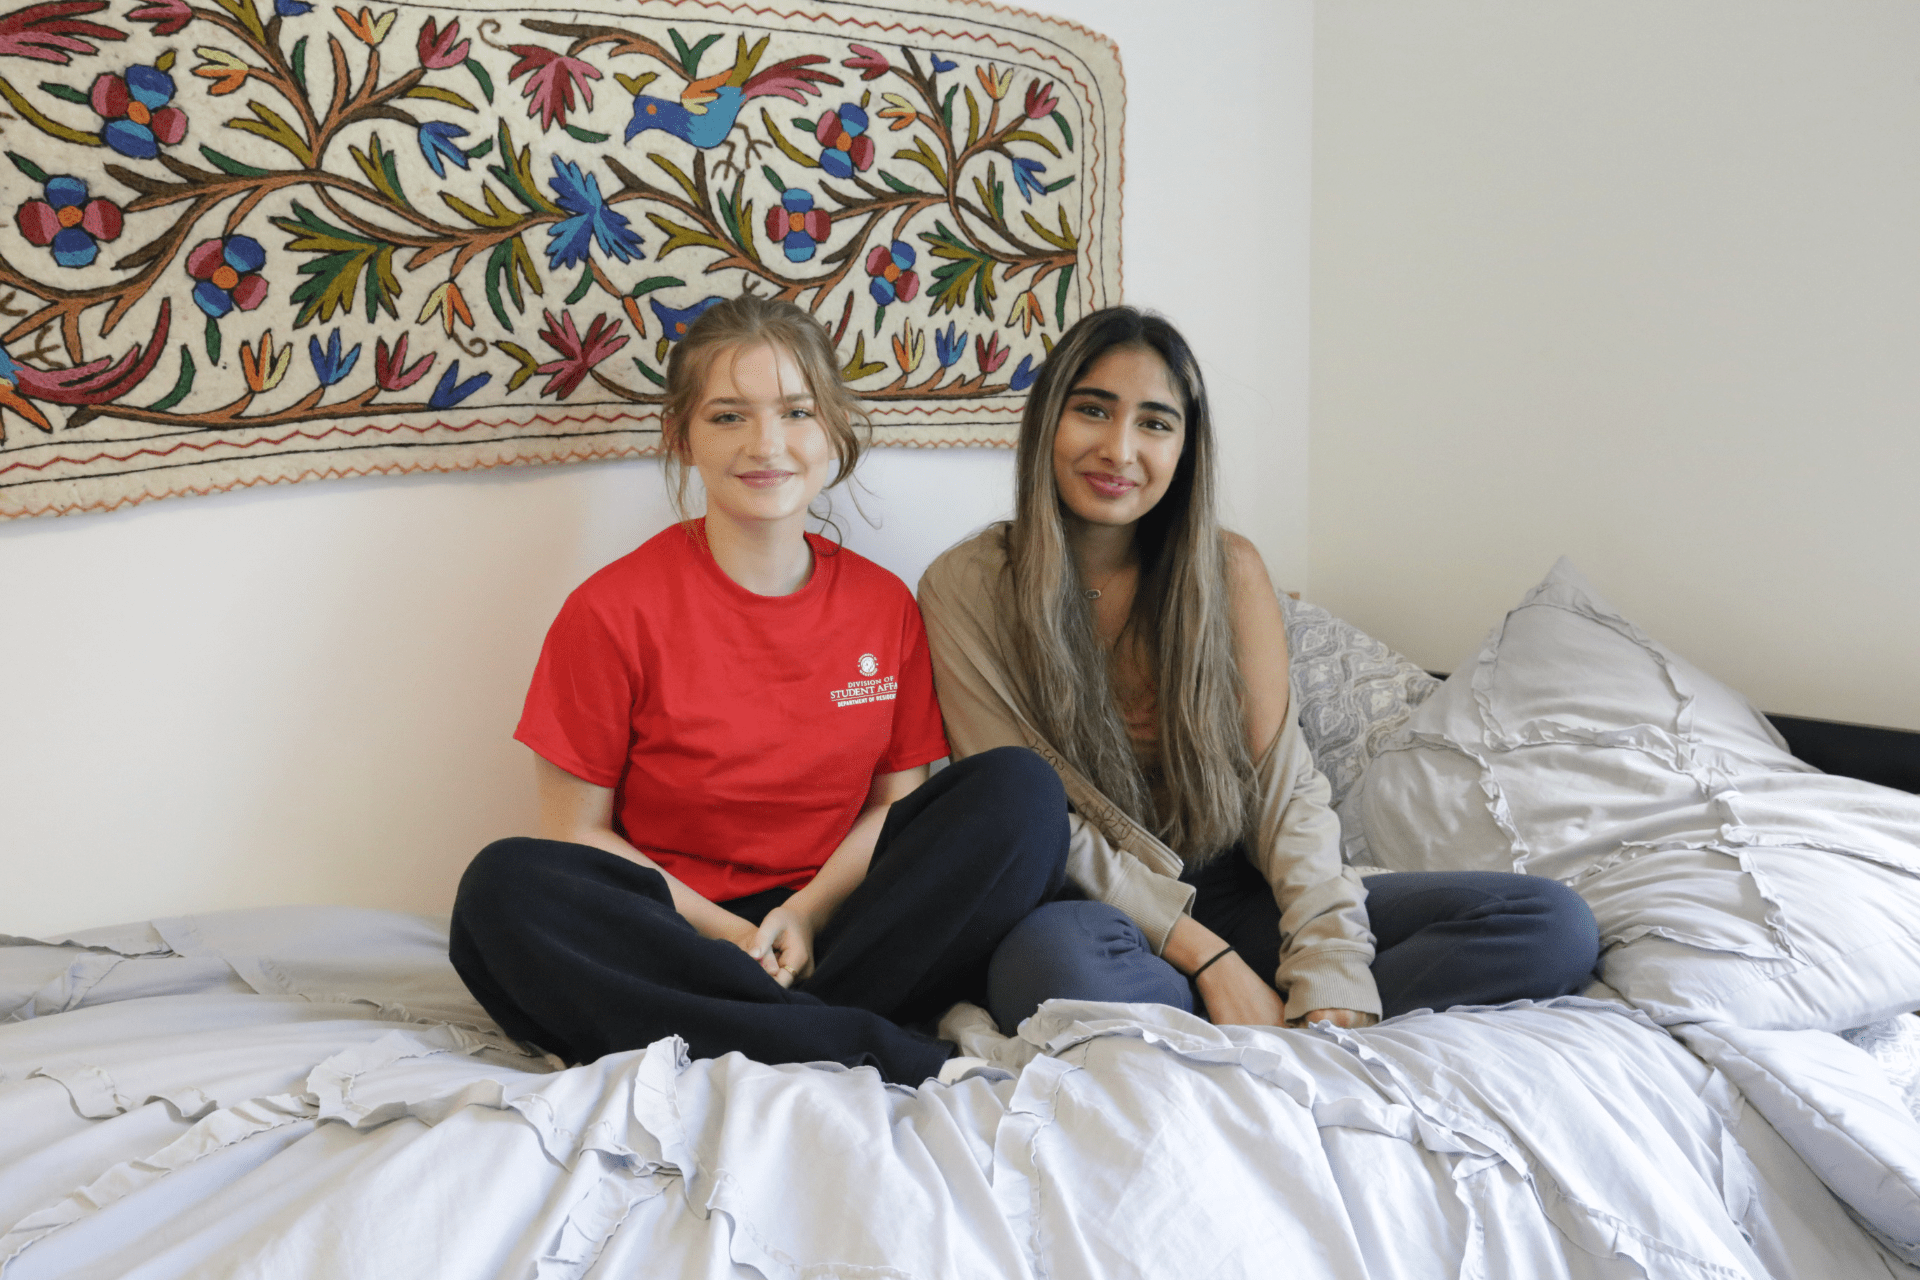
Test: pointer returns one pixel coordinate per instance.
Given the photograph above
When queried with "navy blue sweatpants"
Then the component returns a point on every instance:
(1442, 938)
(580, 951)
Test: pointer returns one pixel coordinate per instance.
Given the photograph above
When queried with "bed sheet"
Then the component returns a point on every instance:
(310, 1092)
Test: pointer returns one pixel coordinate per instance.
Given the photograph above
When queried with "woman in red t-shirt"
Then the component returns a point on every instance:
(732, 726)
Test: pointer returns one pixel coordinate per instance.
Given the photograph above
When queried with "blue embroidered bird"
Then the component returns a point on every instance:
(708, 107)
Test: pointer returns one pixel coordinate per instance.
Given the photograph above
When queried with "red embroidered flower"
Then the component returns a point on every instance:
(134, 105)
(843, 132)
(69, 222)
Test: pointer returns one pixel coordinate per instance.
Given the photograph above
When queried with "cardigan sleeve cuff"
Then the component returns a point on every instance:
(1155, 902)
(1333, 979)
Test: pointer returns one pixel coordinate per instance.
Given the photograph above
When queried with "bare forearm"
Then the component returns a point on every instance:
(843, 870)
(1191, 944)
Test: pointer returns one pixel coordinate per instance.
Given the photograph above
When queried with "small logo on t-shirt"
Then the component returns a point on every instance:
(871, 687)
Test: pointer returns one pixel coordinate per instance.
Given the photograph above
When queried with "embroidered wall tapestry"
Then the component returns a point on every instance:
(267, 241)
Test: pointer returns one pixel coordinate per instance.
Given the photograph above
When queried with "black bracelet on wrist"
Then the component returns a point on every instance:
(1224, 953)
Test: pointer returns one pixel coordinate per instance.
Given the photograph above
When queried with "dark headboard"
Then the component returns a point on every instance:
(1890, 757)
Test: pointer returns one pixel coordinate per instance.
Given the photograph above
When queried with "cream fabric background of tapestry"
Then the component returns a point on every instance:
(275, 240)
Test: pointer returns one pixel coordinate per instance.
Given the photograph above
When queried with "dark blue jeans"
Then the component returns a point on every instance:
(580, 951)
(1442, 938)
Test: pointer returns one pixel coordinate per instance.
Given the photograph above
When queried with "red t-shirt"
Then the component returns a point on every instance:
(740, 733)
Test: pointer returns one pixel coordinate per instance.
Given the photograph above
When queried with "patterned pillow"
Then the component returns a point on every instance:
(1350, 690)
(1895, 1044)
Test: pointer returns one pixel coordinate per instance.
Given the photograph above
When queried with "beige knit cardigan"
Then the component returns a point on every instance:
(1325, 944)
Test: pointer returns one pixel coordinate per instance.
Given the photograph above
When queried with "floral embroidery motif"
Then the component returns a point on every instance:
(532, 190)
(70, 222)
(134, 105)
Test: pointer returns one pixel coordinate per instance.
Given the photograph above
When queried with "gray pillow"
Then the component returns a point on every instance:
(1351, 692)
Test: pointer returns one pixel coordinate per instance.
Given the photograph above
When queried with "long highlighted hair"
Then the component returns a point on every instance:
(1180, 625)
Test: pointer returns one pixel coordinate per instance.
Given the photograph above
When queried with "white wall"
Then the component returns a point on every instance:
(305, 695)
(1637, 281)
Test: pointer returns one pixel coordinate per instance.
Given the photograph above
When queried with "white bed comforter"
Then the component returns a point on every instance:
(310, 1092)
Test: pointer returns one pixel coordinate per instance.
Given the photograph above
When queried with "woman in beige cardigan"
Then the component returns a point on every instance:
(1117, 630)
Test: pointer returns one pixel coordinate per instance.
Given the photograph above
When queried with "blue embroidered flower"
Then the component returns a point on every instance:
(947, 347)
(330, 365)
(228, 271)
(138, 120)
(674, 324)
(1026, 177)
(845, 146)
(450, 391)
(572, 240)
(796, 226)
(69, 221)
(940, 63)
(438, 146)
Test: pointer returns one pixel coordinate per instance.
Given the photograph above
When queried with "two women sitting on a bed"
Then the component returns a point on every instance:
(740, 843)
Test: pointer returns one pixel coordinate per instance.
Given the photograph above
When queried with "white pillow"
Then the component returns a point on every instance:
(1731, 882)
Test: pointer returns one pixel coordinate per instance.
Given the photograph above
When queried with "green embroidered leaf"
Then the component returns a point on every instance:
(898, 185)
(66, 93)
(966, 267)
(227, 164)
(584, 135)
(52, 128)
(774, 178)
(1063, 239)
(674, 171)
(679, 237)
(181, 386)
(994, 196)
(516, 174)
(946, 106)
(480, 152)
(649, 374)
(792, 152)
(1065, 132)
(1055, 186)
(651, 283)
(860, 367)
(213, 341)
(344, 256)
(438, 94)
(528, 364)
(33, 171)
(273, 128)
(1060, 296)
(249, 17)
(1028, 135)
(497, 214)
(690, 58)
(379, 165)
(921, 154)
(580, 290)
(297, 63)
(479, 73)
(509, 264)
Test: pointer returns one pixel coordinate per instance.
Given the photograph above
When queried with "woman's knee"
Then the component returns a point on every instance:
(1566, 938)
(1079, 950)
(1014, 776)
(497, 875)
